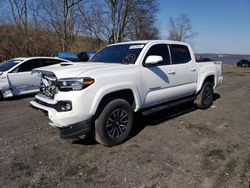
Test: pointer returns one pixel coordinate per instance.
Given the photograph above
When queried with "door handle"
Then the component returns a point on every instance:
(192, 69)
(171, 72)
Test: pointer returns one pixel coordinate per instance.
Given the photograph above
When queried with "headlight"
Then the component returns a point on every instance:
(69, 84)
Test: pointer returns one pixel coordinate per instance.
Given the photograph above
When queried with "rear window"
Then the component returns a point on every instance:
(180, 54)
(48, 62)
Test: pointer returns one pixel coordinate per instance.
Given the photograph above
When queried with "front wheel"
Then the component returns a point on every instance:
(114, 123)
(205, 98)
(1, 96)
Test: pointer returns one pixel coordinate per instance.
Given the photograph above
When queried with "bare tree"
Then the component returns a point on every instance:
(180, 29)
(19, 15)
(61, 15)
(93, 23)
(120, 20)
(41, 27)
(142, 21)
(21, 31)
(119, 15)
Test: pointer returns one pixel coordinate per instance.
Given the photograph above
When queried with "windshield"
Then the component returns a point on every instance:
(8, 65)
(90, 54)
(122, 53)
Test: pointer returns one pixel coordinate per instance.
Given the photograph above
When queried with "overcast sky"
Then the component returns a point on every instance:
(223, 26)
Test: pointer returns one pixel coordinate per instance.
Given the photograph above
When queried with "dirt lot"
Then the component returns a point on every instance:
(180, 147)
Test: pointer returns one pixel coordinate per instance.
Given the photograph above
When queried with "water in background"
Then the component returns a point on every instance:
(225, 59)
(228, 60)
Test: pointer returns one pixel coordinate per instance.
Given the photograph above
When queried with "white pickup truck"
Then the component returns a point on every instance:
(101, 96)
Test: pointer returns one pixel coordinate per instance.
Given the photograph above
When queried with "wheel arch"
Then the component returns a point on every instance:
(208, 77)
(130, 94)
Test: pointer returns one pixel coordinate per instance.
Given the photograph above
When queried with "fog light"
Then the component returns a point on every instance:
(63, 106)
(68, 106)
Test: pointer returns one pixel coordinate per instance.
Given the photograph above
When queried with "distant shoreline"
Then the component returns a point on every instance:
(226, 58)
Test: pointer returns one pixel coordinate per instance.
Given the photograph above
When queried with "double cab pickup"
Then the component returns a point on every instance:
(102, 95)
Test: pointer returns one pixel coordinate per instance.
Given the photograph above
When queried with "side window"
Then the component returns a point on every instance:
(180, 54)
(161, 50)
(28, 65)
(48, 62)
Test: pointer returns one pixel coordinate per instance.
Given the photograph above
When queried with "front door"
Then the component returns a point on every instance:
(22, 81)
(155, 78)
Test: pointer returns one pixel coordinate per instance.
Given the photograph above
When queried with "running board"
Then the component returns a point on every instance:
(164, 106)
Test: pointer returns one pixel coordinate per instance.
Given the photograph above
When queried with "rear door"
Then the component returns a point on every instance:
(184, 69)
(21, 80)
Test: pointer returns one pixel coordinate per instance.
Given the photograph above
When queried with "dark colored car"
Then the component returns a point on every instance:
(68, 55)
(243, 63)
(85, 56)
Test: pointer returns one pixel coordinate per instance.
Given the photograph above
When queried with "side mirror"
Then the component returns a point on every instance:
(153, 59)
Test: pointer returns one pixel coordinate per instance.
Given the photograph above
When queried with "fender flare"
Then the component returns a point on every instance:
(102, 92)
(203, 78)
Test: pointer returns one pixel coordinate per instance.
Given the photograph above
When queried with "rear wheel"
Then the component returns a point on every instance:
(114, 123)
(205, 98)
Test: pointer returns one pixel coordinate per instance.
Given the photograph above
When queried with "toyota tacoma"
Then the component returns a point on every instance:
(102, 96)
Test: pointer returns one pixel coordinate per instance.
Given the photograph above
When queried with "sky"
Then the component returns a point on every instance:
(222, 26)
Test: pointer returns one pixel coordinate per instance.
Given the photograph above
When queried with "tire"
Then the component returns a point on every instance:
(1, 96)
(205, 97)
(110, 130)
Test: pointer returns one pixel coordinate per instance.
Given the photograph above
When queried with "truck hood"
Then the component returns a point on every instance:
(70, 70)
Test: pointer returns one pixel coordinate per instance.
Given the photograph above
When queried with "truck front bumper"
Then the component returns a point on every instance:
(75, 130)
(71, 131)
(72, 123)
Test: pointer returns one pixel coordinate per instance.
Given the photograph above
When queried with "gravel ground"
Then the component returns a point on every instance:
(180, 147)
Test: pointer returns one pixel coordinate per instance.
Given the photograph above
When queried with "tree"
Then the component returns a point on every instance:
(142, 21)
(19, 10)
(119, 15)
(120, 20)
(41, 27)
(133, 20)
(93, 23)
(61, 15)
(180, 29)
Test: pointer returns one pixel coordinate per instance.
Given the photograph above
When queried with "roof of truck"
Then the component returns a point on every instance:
(150, 41)
(38, 57)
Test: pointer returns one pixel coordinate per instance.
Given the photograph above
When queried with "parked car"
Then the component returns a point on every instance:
(68, 55)
(85, 56)
(243, 63)
(16, 78)
(199, 58)
(122, 79)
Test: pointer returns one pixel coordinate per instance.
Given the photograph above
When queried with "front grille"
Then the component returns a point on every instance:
(48, 85)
